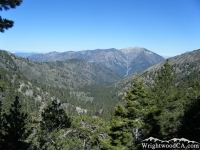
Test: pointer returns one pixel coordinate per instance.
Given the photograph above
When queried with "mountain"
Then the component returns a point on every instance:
(186, 66)
(123, 62)
(80, 85)
(58, 73)
(22, 54)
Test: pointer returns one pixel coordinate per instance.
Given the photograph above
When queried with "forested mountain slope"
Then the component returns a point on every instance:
(71, 73)
(186, 66)
(76, 83)
(123, 62)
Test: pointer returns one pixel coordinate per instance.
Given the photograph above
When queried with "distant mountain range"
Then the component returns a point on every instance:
(123, 62)
(23, 54)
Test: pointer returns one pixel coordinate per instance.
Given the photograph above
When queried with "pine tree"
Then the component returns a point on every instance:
(168, 101)
(15, 128)
(189, 127)
(6, 5)
(163, 84)
(128, 121)
(53, 120)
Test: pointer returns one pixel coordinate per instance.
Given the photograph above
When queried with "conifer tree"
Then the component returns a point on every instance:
(53, 119)
(189, 127)
(128, 121)
(6, 5)
(15, 128)
(167, 101)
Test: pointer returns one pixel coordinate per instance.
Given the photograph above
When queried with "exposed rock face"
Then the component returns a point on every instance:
(123, 62)
(185, 65)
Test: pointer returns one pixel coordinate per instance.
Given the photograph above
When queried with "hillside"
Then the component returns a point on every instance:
(85, 86)
(86, 103)
(73, 82)
(123, 62)
(186, 66)
(59, 73)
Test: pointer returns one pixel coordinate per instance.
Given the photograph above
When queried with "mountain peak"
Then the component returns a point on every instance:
(133, 49)
(123, 62)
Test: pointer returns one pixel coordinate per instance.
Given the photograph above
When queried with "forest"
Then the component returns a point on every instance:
(164, 110)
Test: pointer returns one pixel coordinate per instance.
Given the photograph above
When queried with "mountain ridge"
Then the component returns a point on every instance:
(185, 65)
(75, 70)
(124, 61)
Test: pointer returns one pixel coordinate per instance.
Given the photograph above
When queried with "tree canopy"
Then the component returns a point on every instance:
(6, 5)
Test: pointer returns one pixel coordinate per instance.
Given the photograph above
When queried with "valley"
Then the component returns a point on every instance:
(88, 89)
(86, 84)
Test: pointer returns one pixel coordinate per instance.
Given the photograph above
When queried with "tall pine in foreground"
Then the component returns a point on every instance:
(169, 101)
(128, 121)
(15, 129)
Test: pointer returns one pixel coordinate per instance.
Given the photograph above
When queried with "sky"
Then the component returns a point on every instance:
(166, 27)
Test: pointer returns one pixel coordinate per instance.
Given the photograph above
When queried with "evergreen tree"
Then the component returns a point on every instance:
(128, 121)
(169, 102)
(6, 5)
(53, 120)
(190, 123)
(15, 128)
(189, 127)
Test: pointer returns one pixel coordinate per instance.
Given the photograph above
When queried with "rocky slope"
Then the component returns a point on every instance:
(123, 62)
(186, 65)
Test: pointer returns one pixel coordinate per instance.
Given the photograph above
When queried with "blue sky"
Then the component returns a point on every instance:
(166, 27)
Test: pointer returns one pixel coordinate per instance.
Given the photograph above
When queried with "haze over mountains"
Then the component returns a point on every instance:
(122, 62)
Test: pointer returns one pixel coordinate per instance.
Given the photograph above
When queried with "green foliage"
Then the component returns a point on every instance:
(190, 124)
(163, 111)
(14, 129)
(2, 85)
(128, 120)
(54, 118)
(87, 132)
(167, 101)
(2, 120)
(7, 4)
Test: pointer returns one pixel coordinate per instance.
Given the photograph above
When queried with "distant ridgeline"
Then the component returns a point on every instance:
(123, 62)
